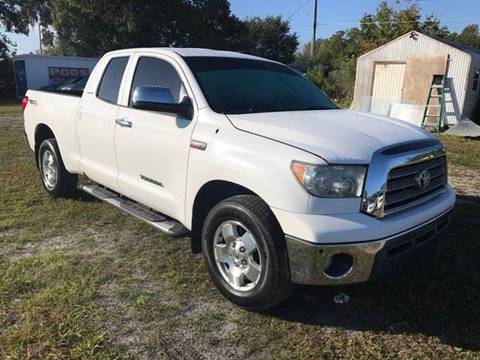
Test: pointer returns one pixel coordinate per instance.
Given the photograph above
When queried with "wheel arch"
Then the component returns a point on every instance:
(210, 194)
(42, 132)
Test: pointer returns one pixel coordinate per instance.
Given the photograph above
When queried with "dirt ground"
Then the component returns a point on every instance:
(465, 181)
(81, 280)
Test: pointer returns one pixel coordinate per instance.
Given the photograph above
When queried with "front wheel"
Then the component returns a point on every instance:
(55, 178)
(245, 252)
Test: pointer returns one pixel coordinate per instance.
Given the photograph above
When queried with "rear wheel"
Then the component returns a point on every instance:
(245, 253)
(55, 178)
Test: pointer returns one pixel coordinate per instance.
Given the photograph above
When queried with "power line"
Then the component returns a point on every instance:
(300, 8)
(358, 22)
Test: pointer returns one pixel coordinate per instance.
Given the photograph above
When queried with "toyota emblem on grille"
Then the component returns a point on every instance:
(423, 179)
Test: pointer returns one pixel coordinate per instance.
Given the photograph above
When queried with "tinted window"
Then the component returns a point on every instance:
(157, 72)
(238, 86)
(112, 79)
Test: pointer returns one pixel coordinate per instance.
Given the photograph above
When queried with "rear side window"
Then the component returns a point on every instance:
(112, 79)
(157, 72)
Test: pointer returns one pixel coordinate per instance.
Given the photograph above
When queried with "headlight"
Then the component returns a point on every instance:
(330, 181)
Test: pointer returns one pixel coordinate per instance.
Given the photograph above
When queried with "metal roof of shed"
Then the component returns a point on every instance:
(454, 44)
(459, 46)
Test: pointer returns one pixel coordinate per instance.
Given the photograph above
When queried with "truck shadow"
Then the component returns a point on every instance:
(439, 298)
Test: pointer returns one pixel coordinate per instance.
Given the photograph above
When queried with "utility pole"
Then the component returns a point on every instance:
(40, 37)
(314, 33)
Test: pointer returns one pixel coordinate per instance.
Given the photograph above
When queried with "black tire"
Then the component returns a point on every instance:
(65, 184)
(273, 285)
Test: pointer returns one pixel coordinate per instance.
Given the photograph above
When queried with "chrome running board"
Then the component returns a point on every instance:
(153, 218)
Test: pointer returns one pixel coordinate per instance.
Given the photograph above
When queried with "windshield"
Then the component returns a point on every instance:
(241, 86)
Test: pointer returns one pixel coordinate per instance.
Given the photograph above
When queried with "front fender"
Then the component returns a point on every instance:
(261, 165)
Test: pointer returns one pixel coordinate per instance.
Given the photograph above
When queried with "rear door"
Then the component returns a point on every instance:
(96, 124)
(152, 150)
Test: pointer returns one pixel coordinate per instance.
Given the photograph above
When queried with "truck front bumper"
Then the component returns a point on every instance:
(348, 263)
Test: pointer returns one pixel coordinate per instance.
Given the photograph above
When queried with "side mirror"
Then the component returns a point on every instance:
(159, 98)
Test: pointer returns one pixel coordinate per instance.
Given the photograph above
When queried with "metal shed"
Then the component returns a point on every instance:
(395, 78)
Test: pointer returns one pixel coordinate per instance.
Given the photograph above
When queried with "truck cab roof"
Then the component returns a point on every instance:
(189, 52)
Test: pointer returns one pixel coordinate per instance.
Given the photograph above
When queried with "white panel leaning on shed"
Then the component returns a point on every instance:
(462, 75)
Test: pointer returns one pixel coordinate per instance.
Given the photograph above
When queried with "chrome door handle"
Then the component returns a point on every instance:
(124, 122)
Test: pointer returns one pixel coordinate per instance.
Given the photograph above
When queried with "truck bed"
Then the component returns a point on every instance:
(58, 111)
(76, 93)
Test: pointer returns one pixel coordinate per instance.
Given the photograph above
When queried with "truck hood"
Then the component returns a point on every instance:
(337, 136)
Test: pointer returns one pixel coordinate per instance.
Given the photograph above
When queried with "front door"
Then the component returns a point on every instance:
(152, 147)
(96, 125)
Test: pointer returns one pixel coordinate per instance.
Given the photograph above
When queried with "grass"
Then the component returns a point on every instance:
(49, 308)
(80, 280)
(10, 108)
(463, 151)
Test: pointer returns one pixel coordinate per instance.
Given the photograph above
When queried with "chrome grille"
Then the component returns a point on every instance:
(403, 185)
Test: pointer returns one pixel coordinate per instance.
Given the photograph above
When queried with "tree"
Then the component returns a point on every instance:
(213, 26)
(6, 68)
(335, 62)
(470, 36)
(18, 15)
(90, 28)
(387, 24)
(431, 26)
(334, 67)
(271, 38)
(10, 20)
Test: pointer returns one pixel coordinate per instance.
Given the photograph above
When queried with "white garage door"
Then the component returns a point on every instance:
(387, 87)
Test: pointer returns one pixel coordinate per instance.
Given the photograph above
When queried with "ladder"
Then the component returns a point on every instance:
(437, 91)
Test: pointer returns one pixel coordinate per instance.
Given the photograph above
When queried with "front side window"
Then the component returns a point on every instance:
(112, 79)
(241, 86)
(156, 72)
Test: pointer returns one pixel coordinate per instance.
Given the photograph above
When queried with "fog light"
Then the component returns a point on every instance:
(339, 265)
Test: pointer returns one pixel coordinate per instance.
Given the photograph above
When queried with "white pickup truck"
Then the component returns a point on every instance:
(273, 183)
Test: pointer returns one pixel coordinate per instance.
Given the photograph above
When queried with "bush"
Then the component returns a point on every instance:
(476, 113)
(337, 84)
(7, 82)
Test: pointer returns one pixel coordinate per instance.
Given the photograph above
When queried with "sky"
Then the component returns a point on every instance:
(333, 15)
